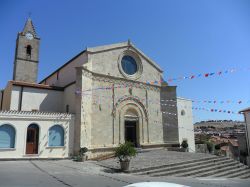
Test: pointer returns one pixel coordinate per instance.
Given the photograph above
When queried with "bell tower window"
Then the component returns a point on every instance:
(28, 50)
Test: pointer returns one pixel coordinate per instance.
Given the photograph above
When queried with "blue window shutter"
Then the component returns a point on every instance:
(7, 136)
(56, 136)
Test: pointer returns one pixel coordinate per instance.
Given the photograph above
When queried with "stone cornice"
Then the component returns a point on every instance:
(117, 80)
(18, 58)
(35, 115)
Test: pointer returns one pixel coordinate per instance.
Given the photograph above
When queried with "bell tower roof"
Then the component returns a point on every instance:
(29, 27)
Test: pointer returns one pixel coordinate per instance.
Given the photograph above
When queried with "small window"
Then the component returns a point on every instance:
(28, 50)
(183, 112)
(7, 136)
(67, 108)
(56, 136)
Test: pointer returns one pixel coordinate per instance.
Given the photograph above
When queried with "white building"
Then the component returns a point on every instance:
(100, 98)
(246, 113)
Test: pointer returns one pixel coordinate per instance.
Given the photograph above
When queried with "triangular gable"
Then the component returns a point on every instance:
(123, 45)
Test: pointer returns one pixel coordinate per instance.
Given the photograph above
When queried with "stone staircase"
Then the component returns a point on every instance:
(204, 167)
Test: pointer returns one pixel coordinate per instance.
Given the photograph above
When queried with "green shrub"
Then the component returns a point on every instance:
(209, 147)
(125, 151)
(83, 150)
(184, 144)
(217, 147)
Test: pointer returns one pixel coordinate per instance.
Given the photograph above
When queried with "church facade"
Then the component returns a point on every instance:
(100, 98)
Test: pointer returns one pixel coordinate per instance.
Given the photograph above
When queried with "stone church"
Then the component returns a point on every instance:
(102, 97)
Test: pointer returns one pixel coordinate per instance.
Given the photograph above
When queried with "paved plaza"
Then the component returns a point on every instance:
(88, 174)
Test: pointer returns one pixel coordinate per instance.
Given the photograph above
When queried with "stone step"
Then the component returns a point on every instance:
(238, 174)
(185, 165)
(173, 164)
(245, 176)
(232, 173)
(215, 171)
(179, 170)
(207, 171)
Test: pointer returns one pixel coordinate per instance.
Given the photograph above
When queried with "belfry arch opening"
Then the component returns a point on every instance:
(28, 50)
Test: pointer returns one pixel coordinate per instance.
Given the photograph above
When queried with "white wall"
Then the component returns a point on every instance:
(185, 122)
(247, 118)
(37, 99)
(20, 121)
(69, 98)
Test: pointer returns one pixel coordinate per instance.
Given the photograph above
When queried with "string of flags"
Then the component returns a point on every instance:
(193, 76)
(159, 82)
(175, 100)
(98, 101)
(215, 110)
(221, 102)
(199, 75)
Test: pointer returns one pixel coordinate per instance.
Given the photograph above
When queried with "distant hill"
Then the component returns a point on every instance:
(219, 123)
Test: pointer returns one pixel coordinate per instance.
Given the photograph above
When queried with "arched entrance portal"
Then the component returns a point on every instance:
(131, 130)
(131, 117)
(32, 139)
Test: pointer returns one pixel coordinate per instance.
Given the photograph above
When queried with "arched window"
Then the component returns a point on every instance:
(7, 136)
(56, 136)
(28, 50)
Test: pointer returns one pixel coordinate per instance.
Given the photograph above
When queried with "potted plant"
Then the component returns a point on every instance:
(81, 156)
(124, 153)
(184, 145)
(209, 146)
(217, 149)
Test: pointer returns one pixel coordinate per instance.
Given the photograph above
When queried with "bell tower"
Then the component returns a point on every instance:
(27, 54)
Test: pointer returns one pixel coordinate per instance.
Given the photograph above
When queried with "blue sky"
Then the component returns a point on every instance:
(183, 37)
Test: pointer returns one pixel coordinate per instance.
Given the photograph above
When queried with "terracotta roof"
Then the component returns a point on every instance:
(245, 110)
(35, 85)
(234, 142)
(224, 148)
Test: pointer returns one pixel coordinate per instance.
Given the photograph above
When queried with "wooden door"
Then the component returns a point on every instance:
(32, 140)
(130, 132)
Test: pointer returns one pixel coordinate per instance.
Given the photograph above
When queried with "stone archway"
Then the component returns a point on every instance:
(131, 119)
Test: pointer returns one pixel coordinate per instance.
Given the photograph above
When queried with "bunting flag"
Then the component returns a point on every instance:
(219, 73)
(215, 110)
(167, 102)
(107, 104)
(159, 82)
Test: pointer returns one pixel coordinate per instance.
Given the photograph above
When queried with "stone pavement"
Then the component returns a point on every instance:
(155, 157)
(65, 173)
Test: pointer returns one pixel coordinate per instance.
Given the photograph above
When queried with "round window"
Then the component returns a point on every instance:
(129, 65)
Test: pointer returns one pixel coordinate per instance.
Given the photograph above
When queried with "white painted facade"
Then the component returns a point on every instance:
(246, 113)
(185, 122)
(21, 120)
(34, 99)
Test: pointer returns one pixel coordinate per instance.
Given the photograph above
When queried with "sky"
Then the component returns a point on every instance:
(184, 37)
